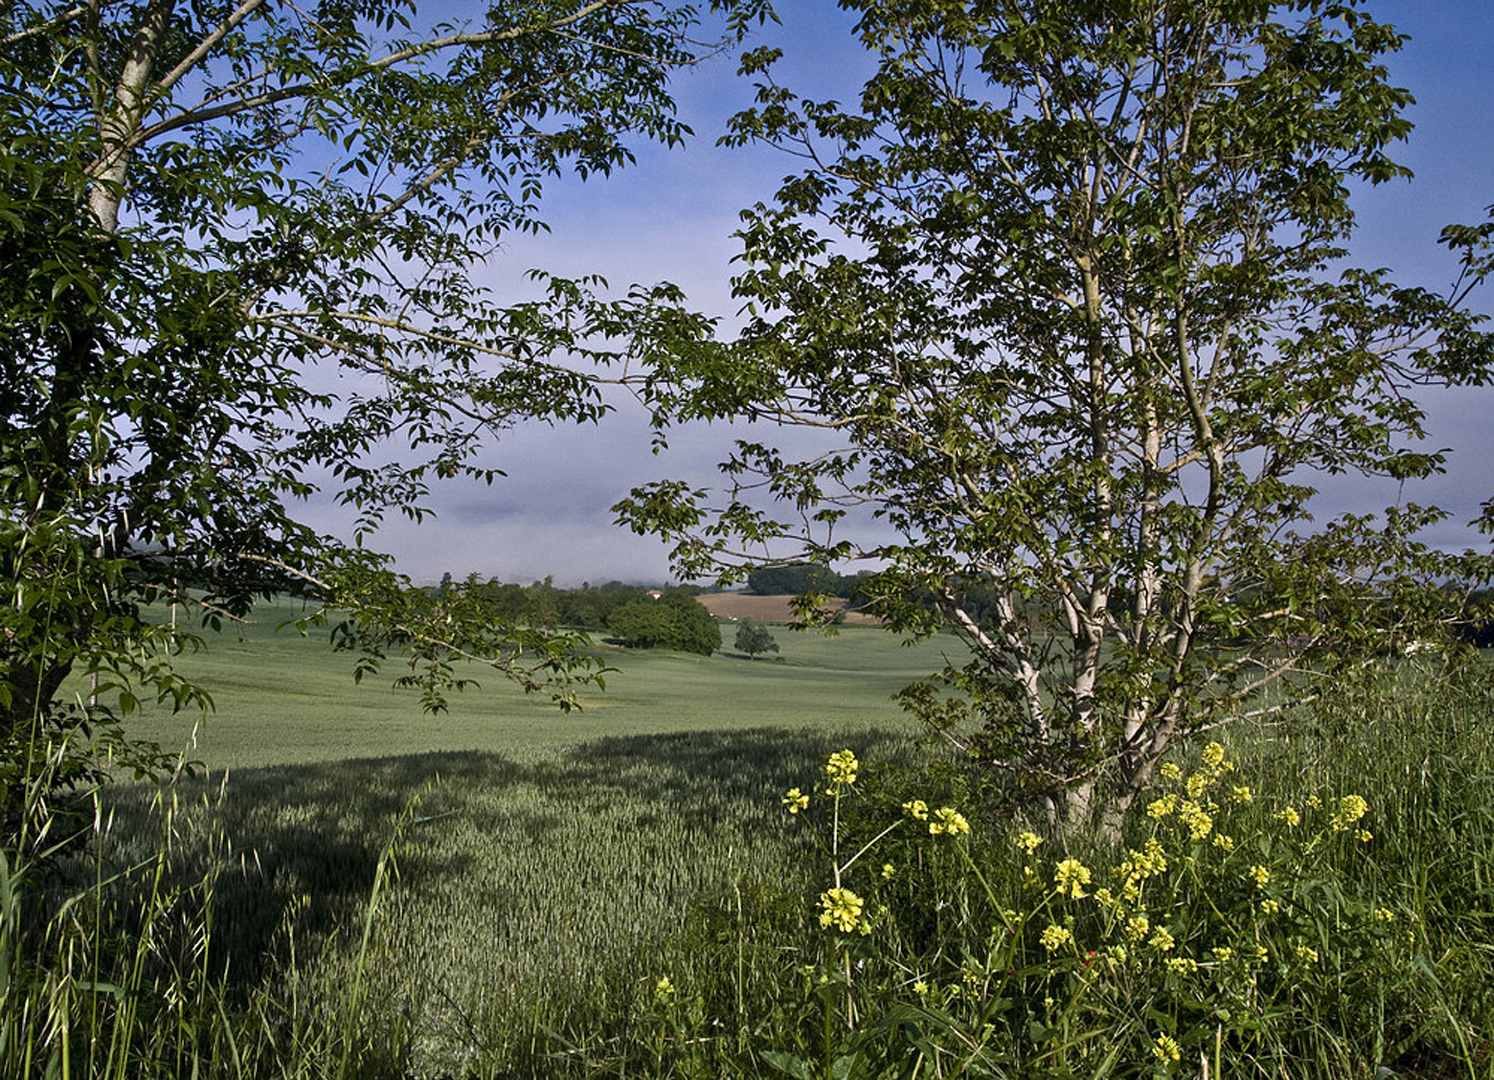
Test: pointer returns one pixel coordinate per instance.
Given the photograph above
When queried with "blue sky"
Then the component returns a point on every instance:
(670, 218)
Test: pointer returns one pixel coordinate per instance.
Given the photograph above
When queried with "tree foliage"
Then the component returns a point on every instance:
(674, 620)
(245, 244)
(1067, 282)
(753, 638)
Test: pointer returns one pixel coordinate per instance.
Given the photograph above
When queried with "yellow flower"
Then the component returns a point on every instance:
(1104, 897)
(1161, 940)
(1199, 823)
(1182, 965)
(664, 991)
(1029, 842)
(1364, 836)
(920, 987)
(1056, 937)
(918, 809)
(1213, 756)
(842, 910)
(1117, 954)
(1223, 842)
(1350, 809)
(1288, 815)
(1170, 771)
(1269, 907)
(1307, 954)
(795, 800)
(1240, 793)
(1223, 953)
(1261, 955)
(1167, 1049)
(1260, 875)
(1384, 915)
(948, 820)
(888, 871)
(1070, 877)
(1137, 927)
(840, 770)
(1162, 807)
(1314, 803)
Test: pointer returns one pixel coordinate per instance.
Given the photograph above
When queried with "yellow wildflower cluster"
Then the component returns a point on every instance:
(1350, 809)
(795, 800)
(1138, 866)
(1161, 940)
(1056, 937)
(1182, 965)
(1289, 816)
(1137, 927)
(1160, 808)
(664, 991)
(1260, 875)
(842, 910)
(1240, 793)
(1307, 954)
(1070, 877)
(1170, 771)
(840, 771)
(1167, 1050)
(1193, 815)
(1029, 842)
(918, 809)
(948, 820)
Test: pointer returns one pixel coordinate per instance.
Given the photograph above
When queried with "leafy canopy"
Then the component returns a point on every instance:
(245, 244)
(1064, 283)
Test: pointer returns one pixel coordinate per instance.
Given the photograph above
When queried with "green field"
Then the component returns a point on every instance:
(282, 699)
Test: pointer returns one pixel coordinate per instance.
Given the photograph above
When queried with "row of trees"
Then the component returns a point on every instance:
(1066, 278)
(669, 618)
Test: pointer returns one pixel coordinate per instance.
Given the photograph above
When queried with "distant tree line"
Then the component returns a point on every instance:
(669, 618)
(804, 577)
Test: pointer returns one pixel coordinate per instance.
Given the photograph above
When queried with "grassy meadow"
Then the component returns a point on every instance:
(348, 888)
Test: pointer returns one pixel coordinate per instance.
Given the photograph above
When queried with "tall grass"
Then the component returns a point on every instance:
(646, 905)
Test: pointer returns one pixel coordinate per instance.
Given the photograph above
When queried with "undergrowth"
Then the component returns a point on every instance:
(1309, 900)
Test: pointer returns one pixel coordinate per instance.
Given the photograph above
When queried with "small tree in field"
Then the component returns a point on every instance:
(1090, 352)
(753, 638)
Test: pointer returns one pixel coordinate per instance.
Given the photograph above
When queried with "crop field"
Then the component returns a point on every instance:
(286, 700)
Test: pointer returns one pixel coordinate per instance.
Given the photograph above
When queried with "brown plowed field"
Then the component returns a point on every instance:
(768, 609)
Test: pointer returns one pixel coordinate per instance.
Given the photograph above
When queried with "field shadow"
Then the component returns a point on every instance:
(302, 842)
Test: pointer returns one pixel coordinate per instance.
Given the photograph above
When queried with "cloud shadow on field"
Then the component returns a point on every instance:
(303, 841)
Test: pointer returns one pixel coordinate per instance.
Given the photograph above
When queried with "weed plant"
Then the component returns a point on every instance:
(1312, 901)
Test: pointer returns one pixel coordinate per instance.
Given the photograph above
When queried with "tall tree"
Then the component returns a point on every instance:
(1066, 282)
(244, 242)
